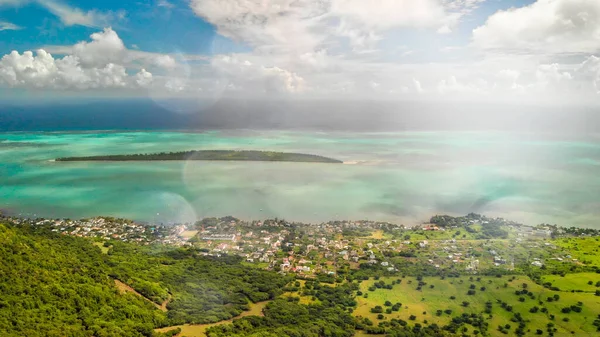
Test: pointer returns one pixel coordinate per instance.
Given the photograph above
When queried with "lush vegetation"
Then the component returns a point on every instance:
(329, 317)
(56, 285)
(230, 155)
(202, 289)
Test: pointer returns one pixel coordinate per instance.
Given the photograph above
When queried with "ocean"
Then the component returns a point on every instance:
(403, 177)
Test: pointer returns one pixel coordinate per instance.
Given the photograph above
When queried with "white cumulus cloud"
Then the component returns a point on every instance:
(97, 64)
(550, 26)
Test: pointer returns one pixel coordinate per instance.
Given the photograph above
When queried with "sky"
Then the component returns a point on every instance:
(531, 51)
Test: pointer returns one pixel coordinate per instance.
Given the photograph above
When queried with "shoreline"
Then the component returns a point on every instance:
(6, 213)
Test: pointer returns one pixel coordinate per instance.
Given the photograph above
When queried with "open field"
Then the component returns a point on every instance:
(424, 304)
(101, 246)
(586, 250)
(577, 281)
(189, 234)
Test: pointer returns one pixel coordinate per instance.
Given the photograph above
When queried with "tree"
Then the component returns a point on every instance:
(465, 304)
(377, 309)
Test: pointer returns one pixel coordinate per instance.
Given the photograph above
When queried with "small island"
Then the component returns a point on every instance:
(228, 155)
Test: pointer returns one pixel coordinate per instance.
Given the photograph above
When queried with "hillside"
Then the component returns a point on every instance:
(56, 285)
(465, 276)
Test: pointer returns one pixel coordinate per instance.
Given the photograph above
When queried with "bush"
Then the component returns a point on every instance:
(377, 309)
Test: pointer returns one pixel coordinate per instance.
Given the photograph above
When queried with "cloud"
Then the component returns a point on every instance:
(71, 16)
(546, 26)
(43, 71)
(387, 14)
(97, 64)
(300, 46)
(285, 24)
(305, 25)
(13, 3)
(105, 47)
(143, 78)
(253, 78)
(8, 26)
(74, 16)
(165, 4)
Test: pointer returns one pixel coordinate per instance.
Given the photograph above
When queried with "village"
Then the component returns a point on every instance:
(461, 245)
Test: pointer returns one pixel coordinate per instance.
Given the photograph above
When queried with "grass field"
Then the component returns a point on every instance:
(199, 330)
(577, 281)
(586, 250)
(189, 234)
(423, 304)
(101, 246)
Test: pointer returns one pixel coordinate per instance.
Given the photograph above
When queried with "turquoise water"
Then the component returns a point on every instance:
(401, 177)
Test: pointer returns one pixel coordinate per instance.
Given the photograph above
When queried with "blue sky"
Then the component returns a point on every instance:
(147, 25)
(311, 48)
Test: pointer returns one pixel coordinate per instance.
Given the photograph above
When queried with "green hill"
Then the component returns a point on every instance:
(58, 286)
(55, 285)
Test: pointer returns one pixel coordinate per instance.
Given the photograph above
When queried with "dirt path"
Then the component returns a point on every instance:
(123, 288)
(164, 304)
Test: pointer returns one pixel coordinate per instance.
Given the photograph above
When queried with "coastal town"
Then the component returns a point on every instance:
(472, 244)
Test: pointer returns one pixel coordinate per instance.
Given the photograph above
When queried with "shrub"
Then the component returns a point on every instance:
(377, 309)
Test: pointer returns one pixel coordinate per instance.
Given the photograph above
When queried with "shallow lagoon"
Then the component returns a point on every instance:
(401, 177)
